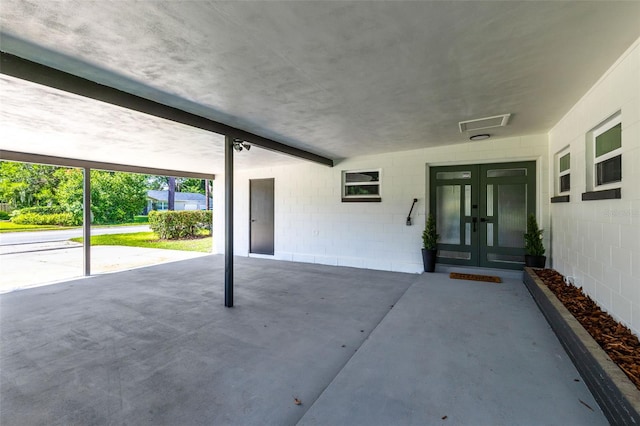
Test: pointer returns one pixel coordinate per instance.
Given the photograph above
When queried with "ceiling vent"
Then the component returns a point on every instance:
(484, 123)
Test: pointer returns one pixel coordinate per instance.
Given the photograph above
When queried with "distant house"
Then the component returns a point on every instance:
(159, 200)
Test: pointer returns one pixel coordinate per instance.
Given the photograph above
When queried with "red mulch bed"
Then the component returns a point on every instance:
(618, 342)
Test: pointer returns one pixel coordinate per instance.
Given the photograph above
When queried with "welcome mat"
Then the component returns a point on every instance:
(475, 277)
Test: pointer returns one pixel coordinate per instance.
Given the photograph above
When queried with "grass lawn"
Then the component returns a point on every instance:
(7, 226)
(150, 240)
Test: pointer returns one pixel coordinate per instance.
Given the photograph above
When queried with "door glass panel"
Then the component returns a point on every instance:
(512, 215)
(448, 213)
(467, 200)
(466, 174)
(450, 254)
(506, 173)
(467, 234)
(489, 200)
(490, 234)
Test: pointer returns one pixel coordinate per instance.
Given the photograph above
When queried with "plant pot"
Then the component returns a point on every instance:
(429, 259)
(535, 261)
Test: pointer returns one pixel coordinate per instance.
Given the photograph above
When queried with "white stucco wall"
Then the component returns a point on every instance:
(313, 225)
(598, 242)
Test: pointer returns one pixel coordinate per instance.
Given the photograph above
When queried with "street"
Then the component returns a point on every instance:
(15, 238)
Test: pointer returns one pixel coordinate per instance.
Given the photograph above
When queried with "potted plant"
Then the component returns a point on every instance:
(429, 244)
(534, 249)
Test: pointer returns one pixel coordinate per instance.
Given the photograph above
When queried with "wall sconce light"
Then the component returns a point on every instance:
(239, 144)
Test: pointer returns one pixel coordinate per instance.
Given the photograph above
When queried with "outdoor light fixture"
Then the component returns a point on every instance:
(238, 145)
(480, 137)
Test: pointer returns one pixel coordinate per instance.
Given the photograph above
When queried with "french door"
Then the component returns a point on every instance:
(481, 212)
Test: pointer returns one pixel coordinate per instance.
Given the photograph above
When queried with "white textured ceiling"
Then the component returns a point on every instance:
(336, 78)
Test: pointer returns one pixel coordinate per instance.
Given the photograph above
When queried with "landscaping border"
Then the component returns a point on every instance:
(617, 396)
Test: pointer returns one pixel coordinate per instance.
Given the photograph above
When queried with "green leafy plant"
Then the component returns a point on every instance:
(59, 219)
(533, 238)
(172, 224)
(429, 235)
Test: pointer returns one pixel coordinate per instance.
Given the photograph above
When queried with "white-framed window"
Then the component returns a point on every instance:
(604, 168)
(563, 172)
(160, 205)
(362, 185)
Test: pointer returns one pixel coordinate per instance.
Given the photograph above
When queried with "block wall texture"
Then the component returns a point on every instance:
(598, 242)
(313, 225)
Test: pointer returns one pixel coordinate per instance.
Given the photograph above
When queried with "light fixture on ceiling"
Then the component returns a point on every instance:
(239, 144)
(480, 137)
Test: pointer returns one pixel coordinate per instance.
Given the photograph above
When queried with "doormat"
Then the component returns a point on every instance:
(474, 277)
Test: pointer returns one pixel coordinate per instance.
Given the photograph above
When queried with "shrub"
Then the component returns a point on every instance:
(40, 210)
(141, 219)
(172, 225)
(4, 215)
(533, 238)
(429, 235)
(59, 219)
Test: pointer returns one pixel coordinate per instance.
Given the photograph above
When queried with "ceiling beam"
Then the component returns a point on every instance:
(41, 74)
(50, 160)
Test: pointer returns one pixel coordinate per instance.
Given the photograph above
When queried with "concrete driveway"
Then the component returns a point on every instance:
(156, 346)
(32, 265)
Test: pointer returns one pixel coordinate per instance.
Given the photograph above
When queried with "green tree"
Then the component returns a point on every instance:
(161, 183)
(192, 185)
(115, 196)
(27, 185)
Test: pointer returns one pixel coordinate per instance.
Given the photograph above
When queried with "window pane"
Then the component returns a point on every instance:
(609, 140)
(362, 177)
(453, 175)
(512, 215)
(489, 200)
(489, 234)
(565, 162)
(565, 182)
(362, 190)
(448, 213)
(506, 173)
(467, 234)
(609, 171)
(467, 200)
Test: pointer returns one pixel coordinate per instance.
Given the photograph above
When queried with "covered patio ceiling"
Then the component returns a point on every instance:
(338, 79)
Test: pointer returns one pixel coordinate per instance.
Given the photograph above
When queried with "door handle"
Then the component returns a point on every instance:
(484, 219)
(253, 220)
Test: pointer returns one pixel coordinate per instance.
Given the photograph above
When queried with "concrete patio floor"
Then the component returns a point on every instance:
(156, 346)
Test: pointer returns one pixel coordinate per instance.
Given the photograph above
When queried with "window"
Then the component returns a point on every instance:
(159, 205)
(564, 172)
(361, 185)
(606, 146)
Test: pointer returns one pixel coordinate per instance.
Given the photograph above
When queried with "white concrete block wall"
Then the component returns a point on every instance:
(598, 242)
(313, 225)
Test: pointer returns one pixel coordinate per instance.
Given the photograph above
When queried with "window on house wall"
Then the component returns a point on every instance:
(606, 148)
(564, 172)
(361, 186)
(159, 205)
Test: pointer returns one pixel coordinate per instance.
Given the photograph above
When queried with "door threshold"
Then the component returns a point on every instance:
(502, 273)
(261, 256)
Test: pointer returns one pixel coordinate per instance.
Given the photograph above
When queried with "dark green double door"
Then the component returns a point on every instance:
(481, 212)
